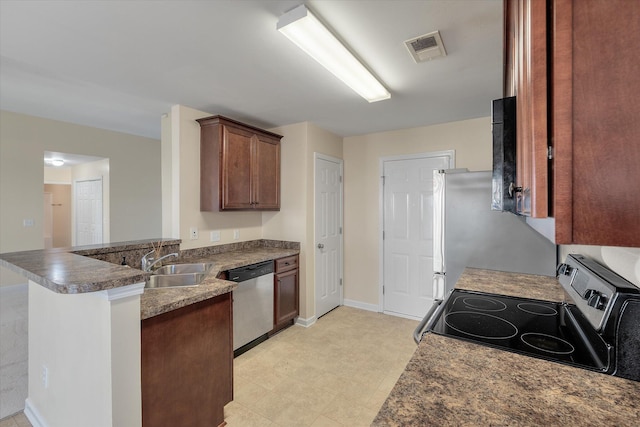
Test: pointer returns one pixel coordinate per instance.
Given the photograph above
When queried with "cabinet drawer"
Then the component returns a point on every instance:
(286, 264)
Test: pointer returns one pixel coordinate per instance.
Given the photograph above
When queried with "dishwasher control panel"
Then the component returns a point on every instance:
(248, 272)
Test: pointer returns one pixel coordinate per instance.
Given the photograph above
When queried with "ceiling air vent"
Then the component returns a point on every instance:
(426, 47)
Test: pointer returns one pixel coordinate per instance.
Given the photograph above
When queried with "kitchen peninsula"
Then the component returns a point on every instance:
(453, 382)
(85, 316)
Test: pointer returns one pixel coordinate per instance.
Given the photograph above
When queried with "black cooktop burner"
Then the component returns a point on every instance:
(542, 329)
(539, 309)
(481, 325)
(484, 303)
(547, 343)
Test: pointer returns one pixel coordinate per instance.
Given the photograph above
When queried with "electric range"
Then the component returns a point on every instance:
(597, 327)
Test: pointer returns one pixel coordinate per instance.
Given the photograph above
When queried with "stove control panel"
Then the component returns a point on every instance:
(591, 294)
(595, 299)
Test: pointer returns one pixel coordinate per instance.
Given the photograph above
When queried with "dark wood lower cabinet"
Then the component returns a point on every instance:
(187, 365)
(286, 292)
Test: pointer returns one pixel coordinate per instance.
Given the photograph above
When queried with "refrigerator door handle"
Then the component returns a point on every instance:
(417, 334)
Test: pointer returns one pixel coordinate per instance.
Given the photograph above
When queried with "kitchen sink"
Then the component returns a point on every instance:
(174, 280)
(201, 267)
(177, 275)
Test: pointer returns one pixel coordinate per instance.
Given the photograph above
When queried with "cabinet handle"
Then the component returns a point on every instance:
(513, 189)
(320, 246)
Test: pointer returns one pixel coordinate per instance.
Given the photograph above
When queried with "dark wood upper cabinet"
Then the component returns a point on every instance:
(239, 166)
(573, 67)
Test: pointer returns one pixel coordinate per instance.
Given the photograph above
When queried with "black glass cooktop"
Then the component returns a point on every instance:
(543, 329)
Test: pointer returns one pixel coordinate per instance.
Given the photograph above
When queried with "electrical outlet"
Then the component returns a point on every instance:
(193, 233)
(44, 376)
(215, 236)
(236, 234)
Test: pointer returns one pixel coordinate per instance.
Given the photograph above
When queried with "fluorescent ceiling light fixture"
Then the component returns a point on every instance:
(308, 33)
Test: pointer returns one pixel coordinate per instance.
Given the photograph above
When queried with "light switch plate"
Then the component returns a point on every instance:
(193, 233)
(215, 236)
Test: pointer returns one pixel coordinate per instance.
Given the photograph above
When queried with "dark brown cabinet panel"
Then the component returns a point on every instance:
(525, 78)
(267, 174)
(187, 365)
(597, 92)
(239, 166)
(286, 292)
(582, 101)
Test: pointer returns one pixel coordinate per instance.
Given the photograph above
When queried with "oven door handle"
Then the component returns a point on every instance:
(417, 334)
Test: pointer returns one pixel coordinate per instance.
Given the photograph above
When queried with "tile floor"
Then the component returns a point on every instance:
(337, 372)
(17, 420)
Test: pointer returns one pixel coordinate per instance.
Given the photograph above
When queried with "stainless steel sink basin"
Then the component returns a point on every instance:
(174, 280)
(201, 267)
(177, 275)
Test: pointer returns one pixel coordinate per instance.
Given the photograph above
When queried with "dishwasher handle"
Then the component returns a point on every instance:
(417, 334)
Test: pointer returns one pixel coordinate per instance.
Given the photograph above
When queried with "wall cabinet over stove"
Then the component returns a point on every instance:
(577, 94)
(239, 166)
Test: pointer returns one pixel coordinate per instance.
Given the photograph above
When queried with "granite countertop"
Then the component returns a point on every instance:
(454, 382)
(161, 300)
(72, 270)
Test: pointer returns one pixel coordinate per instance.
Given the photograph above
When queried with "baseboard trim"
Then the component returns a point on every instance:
(361, 305)
(33, 415)
(306, 322)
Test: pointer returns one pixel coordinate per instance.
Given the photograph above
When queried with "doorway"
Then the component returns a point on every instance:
(328, 233)
(407, 232)
(57, 215)
(62, 173)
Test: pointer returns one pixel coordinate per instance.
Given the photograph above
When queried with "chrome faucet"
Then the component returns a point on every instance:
(148, 263)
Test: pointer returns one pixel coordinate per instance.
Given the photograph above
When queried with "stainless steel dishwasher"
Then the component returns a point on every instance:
(252, 305)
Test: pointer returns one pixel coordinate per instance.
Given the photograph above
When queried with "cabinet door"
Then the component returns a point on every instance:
(595, 122)
(266, 177)
(526, 78)
(286, 297)
(187, 364)
(236, 168)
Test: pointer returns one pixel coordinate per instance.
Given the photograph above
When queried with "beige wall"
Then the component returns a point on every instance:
(471, 140)
(134, 177)
(182, 185)
(294, 221)
(57, 175)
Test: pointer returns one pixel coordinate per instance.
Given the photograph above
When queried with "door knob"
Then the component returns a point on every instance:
(320, 246)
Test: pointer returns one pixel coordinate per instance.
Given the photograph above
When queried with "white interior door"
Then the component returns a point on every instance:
(88, 202)
(328, 233)
(408, 233)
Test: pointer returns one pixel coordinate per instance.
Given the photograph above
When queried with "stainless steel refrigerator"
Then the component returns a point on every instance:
(467, 233)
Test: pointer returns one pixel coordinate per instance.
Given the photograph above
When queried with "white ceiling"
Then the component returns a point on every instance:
(120, 65)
